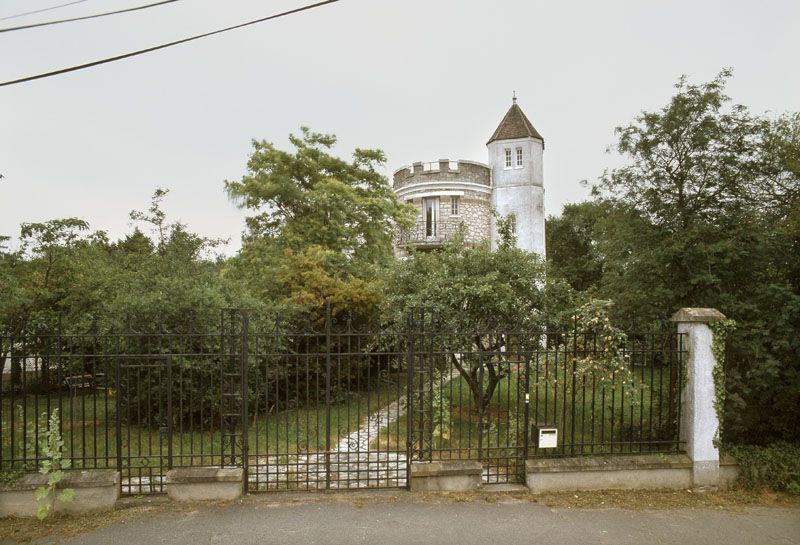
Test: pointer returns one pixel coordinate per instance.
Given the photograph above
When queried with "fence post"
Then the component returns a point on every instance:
(244, 392)
(328, 396)
(699, 422)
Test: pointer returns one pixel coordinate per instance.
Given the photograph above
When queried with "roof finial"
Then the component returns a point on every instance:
(514, 97)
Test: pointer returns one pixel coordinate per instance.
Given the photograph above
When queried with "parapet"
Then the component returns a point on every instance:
(443, 170)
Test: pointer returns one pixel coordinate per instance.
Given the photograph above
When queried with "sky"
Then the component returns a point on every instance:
(419, 79)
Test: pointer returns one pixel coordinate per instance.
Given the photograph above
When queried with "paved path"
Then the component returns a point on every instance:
(353, 463)
(408, 522)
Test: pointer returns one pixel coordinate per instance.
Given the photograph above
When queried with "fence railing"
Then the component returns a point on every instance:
(332, 406)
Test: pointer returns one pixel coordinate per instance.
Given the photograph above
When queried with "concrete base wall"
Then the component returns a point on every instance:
(95, 490)
(728, 472)
(204, 483)
(617, 472)
(449, 476)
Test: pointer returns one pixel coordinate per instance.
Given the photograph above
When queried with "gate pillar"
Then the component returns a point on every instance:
(699, 422)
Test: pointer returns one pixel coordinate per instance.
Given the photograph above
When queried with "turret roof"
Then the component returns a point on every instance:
(515, 124)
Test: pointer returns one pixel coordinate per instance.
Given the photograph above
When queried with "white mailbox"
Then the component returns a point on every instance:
(548, 436)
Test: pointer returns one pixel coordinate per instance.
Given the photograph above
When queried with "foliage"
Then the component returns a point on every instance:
(599, 349)
(478, 293)
(53, 465)
(776, 465)
(573, 244)
(321, 227)
(442, 415)
(720, 331)
(704, 214)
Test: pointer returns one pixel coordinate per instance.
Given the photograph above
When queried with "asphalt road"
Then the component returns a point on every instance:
(505, 523)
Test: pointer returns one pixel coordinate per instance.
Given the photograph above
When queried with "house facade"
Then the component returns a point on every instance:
(455, 196)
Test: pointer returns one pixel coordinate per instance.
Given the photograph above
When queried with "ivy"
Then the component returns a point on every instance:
(776, 465)
(720, 330)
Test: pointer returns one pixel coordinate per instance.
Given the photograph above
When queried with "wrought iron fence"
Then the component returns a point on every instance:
(332, 405)
(326, 404)
(140, 401)
(484, 395)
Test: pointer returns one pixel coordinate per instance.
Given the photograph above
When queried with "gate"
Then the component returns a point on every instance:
(484, 394)
(327, 407)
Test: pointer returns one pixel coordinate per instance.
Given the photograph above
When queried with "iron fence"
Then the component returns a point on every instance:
(332, 405)
(138, 401)
(484, 394)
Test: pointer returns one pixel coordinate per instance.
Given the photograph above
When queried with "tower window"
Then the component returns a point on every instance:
(519, 157)
(453, 206)
(508, 157)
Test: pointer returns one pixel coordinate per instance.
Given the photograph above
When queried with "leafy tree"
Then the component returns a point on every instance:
(476, 291)
(321, 227)
(573, 246)
(706, 215)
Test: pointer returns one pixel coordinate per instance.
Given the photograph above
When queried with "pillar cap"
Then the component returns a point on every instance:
(698, 315)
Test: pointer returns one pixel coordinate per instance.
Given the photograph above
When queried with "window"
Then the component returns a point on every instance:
(508, 157)
(431, 211)
(512, 223)
(519, 157)
(453, 206)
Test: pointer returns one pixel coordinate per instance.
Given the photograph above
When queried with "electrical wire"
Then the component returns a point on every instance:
(34, 25)
(163, 46)
(42, 10)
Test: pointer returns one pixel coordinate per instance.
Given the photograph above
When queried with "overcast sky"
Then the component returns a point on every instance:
(420, 79)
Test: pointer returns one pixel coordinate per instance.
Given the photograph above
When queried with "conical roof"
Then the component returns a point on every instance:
(515, 124)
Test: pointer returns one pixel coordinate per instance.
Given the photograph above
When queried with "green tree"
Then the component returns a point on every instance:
(476, 291)
(573, 243)
(706, 216)
(321, 227)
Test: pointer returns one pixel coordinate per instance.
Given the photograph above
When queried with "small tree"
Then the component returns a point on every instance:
(482, 294)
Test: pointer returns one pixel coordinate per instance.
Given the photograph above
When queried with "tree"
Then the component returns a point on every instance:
(573, 246)
(481, 294)
(706, 215)
(322, 227)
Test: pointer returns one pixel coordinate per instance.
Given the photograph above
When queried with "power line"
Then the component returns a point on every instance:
(163, 46)
(41, 10)
(86, 16)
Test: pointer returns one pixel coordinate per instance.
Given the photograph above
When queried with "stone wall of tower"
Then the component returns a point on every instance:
(468, 181)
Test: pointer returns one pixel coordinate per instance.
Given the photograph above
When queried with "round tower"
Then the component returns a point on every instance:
(515, 157)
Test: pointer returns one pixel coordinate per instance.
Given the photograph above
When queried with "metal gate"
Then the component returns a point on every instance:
(469, 400)
(327, 407)
(484, 394)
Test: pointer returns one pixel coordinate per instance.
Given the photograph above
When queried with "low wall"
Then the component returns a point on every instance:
(609, 472)
(620, 472)
(95, 490)
(445, 476)
(204, 483)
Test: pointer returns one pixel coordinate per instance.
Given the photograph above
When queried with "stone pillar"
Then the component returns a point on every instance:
(699, 422)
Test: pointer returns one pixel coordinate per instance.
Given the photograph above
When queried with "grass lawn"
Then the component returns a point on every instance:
(597, 420)
(90, 434)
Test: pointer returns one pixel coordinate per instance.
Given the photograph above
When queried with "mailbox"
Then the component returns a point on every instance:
(547, 436)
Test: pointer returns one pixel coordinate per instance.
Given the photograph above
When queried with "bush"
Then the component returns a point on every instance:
(776, 465)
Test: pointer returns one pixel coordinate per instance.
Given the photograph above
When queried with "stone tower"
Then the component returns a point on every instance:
(515, 159)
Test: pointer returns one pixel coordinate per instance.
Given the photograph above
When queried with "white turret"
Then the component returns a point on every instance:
(515, 157)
